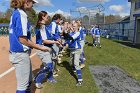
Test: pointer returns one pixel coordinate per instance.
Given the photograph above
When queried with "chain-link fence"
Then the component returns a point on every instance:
(119, 30)
(4, 29)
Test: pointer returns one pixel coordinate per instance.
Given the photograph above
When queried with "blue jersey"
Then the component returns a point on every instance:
(43, 34)
(19, 26)
(84, 31)
(92, 31)
(60, 29)
(97, 31)
(75, 43)
(53, 28)
(81, 33)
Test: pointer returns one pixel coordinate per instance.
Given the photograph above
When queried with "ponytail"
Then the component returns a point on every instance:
(18, 3)
(40, 15)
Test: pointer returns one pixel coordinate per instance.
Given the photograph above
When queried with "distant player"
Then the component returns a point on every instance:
(54, 30)
(97, 34)
(93, 34)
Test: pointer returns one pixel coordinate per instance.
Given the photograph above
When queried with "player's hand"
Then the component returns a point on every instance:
(57, 42)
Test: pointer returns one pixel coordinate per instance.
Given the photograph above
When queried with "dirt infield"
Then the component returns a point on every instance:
(8, 82)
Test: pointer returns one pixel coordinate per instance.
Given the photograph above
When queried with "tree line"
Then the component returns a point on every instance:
(5, 17)
(96, 19)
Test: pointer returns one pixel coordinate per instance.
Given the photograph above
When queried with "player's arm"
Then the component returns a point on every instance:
(67, 36)
(50, 42)
(27, 42)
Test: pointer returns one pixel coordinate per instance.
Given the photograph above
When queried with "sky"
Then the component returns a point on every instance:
(115, 7)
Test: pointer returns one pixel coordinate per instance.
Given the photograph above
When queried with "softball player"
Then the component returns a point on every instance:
(93, 34)
(82, 43)
(53, 29)
(44, 37)
(85, 33)
(20, 44)
(75, 49)
(97, 33)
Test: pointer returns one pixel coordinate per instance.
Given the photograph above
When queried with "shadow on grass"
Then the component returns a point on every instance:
(128, 44)
(90, 44)
(67, 66)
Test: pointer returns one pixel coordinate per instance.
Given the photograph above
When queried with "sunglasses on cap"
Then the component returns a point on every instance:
(34, 1)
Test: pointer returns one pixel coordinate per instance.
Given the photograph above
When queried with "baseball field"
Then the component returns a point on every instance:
(111, 53)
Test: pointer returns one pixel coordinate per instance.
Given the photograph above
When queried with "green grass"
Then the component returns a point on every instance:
(111, 53)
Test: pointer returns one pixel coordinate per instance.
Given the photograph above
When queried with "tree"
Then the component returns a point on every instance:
(99, 18)
(85, 20)
(4, 20)
(5, 17)
(1, 14)
(8, 14)
(113, 18)
(32, 16)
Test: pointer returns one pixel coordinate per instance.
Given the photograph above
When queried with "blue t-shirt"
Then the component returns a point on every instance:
(53, 28)
(19, 26)
(81, 33)
(43, 34)
(84, 31)
(97, 31)
(75, 43)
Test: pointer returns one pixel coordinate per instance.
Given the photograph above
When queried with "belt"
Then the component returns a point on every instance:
(27, 51)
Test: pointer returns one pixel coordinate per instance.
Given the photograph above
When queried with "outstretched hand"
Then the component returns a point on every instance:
(59, 43)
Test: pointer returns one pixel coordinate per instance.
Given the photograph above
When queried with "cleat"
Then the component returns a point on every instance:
(55, 75)
(74, 71)
(79, 83)
(82, 66)
(38, 85)
(58, 70)
(52, 81)
(59, 60)
(84, 59)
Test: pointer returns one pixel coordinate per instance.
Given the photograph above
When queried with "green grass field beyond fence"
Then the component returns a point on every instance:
(111, 53)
